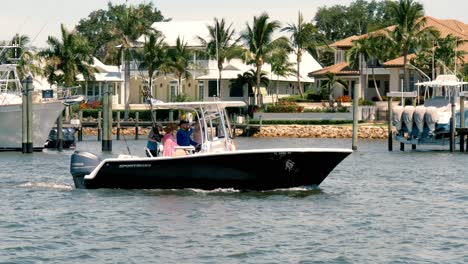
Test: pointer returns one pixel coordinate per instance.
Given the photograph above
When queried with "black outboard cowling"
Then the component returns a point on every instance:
(82, 163)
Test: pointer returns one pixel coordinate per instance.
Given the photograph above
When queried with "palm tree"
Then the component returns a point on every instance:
(409, 30)
(222, 45)
(154, 59)
(368, 49)
(280, 66)
(127, 29)
(179, 61)
(260, 42)
(67, 58)
(444, 53)
(249, 78)
(329, 86)
(303, 37)
(25, 58)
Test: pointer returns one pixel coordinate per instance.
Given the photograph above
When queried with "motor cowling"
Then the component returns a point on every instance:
(82, 163)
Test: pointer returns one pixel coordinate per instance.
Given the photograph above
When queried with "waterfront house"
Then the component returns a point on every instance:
(390, 74)
(202, 85)
(105, 75)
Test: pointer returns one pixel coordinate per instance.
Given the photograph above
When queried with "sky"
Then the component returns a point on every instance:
(40, 18)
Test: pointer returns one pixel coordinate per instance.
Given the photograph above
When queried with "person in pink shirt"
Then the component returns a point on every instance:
(169, 140)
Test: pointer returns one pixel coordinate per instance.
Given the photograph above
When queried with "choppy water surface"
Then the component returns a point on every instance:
(375, 207)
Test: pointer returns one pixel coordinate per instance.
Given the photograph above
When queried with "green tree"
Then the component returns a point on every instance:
(154, 59)
(259, 40)
(222, 45)
(249, 78)
(329, 86)
(444, 53)
(280, 66)
(119, 26)
(360, 17)
(66, 58)
(99, 27)
(370, 51)
(303, 37)
(410, 32)
(179, 62)
(25, 58)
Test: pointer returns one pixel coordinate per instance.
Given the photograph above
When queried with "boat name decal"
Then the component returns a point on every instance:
(134, 165)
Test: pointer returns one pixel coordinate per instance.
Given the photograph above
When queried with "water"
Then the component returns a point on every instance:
(375, 207)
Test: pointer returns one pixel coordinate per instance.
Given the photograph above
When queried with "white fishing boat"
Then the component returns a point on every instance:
(44, 110)
(217, 164)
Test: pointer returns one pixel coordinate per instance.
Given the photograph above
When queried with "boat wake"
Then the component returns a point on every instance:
(292, 192)
(47, 185)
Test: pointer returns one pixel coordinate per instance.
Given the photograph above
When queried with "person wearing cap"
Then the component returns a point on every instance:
(183, 134)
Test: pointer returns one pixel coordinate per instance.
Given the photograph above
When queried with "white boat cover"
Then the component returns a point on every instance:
(418, 118)
(407, 117)
(396, 117)
(438, 110)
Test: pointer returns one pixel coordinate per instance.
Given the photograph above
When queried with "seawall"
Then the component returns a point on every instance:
(297, 131)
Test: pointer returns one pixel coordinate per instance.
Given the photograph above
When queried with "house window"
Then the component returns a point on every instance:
(371, 83)
(201, 90)
(237, 90)
(173, 90)
(212, 88)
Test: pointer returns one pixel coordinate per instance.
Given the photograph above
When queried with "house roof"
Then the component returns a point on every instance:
(341, 68)
(398, 62)
(105, 73)
(444, 26)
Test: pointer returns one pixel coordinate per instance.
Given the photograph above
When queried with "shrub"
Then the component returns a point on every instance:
(363, 101)
(91, 105)
(315, 97)
(343, 99)
(285, 107)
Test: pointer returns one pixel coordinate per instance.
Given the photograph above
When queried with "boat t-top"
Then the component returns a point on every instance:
(217, 164)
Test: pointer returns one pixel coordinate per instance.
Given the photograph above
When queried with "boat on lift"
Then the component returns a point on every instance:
(218, 164)
(432, 122)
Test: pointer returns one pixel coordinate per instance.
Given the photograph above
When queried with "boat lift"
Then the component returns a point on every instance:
(437, 122)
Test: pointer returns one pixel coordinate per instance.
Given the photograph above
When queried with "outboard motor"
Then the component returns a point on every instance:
(82, 163)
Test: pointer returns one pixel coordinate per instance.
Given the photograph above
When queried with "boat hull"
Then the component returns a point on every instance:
(242, 170)
(44, 117)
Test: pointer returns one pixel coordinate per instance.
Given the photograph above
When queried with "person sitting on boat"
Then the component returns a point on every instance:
(184, 133)
(169, 140)
(154, 138)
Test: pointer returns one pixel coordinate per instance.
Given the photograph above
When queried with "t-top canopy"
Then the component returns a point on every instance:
(198, 105)
(443, 80)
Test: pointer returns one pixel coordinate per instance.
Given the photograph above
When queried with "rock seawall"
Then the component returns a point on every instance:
(298, 131)
(321, 131)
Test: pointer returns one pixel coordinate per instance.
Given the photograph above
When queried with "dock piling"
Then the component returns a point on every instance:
(99, 126)
(118, 126)
(60, 132)
(107, 120)
(389, 124)
(137, 128)
(355, 117)
(80, 128)
(27, 146)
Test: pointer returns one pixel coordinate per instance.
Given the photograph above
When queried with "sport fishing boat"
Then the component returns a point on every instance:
(45, 111)
(218, 163)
